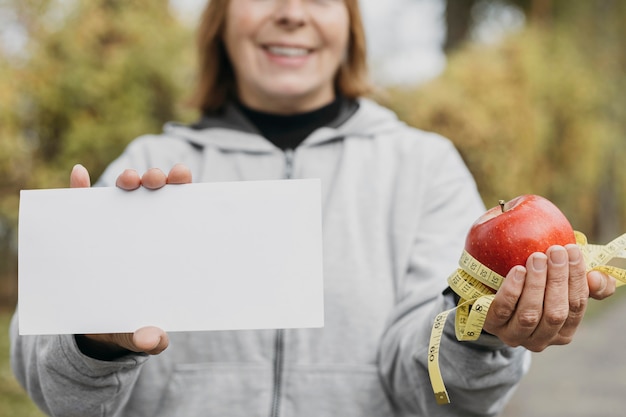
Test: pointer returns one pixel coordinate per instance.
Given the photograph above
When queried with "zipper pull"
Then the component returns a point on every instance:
(289, 163)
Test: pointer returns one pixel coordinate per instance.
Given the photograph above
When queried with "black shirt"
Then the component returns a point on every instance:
(288, 131)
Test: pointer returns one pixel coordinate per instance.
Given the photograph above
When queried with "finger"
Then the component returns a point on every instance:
(505, 302)
(578, 294)
(530, 305)
(153, 179)
(79, 177)
(600, 285)
(555, 301)
(150, 340)
(179, 174)
(128, 180)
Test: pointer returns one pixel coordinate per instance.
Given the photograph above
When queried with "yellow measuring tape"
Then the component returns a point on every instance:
(476, 285)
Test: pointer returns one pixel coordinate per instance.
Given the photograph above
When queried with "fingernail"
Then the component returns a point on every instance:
(573, 252)
(558, 256)
(539, 263)
(519, 274)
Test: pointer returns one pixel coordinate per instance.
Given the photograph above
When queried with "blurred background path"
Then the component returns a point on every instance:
(586, 378)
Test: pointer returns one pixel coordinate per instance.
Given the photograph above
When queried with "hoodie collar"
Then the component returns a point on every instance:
(231, 130)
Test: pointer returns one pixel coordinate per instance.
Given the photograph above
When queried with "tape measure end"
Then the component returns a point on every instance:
(442, 398)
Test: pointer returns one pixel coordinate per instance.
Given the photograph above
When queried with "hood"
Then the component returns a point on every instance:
(230, 130)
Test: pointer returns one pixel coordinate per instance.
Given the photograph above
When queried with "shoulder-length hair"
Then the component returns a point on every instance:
(216, 80)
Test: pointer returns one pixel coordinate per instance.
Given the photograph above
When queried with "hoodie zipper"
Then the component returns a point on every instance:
(279, 347)
(279, 338)
(288, 164)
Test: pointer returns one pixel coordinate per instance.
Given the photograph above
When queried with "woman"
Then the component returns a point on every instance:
(281, 86)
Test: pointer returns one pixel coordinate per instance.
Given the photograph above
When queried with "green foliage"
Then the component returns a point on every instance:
(530, 115)
(94, 75)
(107, 75)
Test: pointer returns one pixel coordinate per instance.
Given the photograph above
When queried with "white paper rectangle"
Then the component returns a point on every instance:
(209, 256)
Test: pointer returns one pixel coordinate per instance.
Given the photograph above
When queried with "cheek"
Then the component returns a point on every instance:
(239, 34)
(336, 55)
(239, 51)
(337, 37)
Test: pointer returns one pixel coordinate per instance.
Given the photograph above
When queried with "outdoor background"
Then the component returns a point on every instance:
(532, 92)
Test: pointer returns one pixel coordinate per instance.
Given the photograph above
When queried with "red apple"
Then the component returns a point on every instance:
(507, 234)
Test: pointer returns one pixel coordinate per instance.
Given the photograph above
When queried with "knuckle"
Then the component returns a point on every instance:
(578, 306)
(502, 313)
(536, 348)
(556, 317)
(529, 319)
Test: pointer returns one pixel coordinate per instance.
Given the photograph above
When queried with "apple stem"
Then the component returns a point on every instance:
(501, 202)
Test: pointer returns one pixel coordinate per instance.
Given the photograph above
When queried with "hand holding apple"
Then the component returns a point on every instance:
(544, 296)
(527, 250)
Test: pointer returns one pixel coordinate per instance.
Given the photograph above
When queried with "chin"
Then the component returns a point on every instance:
(304, 99)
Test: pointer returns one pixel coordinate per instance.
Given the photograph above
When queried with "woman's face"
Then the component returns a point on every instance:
(285, 53)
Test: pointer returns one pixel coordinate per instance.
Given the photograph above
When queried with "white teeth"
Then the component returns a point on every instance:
(288, 51)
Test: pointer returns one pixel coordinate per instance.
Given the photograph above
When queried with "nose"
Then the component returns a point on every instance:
(291, 14)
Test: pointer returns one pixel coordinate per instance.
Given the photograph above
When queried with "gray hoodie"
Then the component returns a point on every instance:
(397, 203)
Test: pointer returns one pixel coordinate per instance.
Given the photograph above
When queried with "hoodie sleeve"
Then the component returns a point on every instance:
(479, 376)
(64, 382)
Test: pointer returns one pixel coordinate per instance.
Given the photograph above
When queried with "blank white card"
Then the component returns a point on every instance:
(209, 256)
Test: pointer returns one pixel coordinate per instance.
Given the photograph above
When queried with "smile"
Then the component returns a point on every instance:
(288, 51)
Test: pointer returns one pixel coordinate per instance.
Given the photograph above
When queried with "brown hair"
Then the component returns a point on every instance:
(216, 79)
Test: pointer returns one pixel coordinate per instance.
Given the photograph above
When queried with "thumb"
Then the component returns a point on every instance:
(601, 285)
(150, 340)
(79, 178)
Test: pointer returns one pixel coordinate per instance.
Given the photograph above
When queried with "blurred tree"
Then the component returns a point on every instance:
(459, 20)
(542, 112)
(463, 16)
(94, 75)
(111, 72)
(15, 164)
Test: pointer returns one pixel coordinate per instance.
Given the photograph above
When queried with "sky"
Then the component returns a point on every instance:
(404, 37)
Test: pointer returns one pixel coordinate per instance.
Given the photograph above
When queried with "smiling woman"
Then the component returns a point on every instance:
(285, 54)
(292, 53)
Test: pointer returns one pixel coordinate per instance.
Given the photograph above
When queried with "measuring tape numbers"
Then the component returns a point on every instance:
(476, 285)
